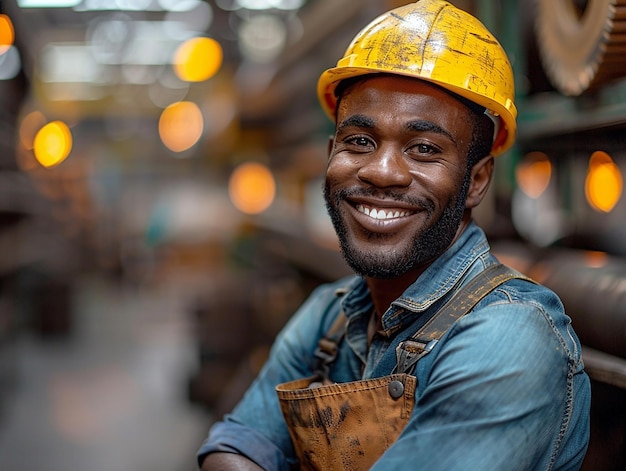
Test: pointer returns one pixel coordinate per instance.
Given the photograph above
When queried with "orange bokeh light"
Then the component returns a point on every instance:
(533, 174)
(7, 33)
(604, 183)
(52, 144)
(252, 188)
(181, 125)
(198, 59)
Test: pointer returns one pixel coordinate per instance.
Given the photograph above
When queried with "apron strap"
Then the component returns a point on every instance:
(462, 302)
(328, 346)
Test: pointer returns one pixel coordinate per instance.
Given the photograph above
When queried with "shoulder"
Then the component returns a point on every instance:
(508, 346)
(324, 302)
(526, 292)
(521, 322)
(527, 306)
(315, 315)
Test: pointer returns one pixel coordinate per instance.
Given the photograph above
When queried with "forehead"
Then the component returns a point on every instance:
(402, 96)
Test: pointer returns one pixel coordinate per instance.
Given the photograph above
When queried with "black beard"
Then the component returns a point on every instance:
(427, 245)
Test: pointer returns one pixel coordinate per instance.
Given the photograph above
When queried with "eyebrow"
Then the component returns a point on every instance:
(357, 120)
(421, 125)
(429, 126)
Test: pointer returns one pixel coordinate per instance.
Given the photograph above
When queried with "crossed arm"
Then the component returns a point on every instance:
(229, 461)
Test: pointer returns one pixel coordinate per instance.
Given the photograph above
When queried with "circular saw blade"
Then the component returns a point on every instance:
(582, 44)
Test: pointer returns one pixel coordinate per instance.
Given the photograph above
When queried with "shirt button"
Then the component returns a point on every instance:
(396, 389)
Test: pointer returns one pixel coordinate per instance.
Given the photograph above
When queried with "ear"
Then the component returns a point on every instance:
(480, 178)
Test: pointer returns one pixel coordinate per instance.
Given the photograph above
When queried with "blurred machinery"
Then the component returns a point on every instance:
(37, 264)
(572, 69)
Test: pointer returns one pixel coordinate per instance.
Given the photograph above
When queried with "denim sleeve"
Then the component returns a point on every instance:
(500, 392)
(256, 428)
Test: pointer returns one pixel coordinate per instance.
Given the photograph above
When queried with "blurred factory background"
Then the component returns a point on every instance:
(161, 214)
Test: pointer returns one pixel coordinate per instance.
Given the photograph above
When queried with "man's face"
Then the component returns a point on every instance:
(397, 177)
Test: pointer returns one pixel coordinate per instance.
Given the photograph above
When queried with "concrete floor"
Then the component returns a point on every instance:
(111, 397)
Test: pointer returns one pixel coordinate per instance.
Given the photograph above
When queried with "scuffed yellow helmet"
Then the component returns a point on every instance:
(435, 41)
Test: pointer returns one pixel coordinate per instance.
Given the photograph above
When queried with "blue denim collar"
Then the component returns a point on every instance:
(446, 271)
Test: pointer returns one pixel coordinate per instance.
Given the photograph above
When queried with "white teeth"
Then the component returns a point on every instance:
(380, 213)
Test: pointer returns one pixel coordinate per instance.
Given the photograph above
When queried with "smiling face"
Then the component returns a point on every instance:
(397, 179)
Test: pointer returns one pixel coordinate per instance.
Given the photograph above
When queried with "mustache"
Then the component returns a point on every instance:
(387, 195)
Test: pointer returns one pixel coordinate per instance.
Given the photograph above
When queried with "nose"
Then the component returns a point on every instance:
(385, 168)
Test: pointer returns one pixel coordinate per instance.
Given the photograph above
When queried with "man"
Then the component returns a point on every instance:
(423, 101)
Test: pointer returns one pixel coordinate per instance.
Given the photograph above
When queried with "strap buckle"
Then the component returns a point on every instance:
(409, 352)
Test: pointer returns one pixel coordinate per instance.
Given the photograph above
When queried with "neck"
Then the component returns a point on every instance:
(384, 292)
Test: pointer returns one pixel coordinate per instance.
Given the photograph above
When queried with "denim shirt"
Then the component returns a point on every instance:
(504, 389)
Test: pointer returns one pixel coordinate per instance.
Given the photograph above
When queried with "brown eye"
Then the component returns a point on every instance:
(359, 141)
(423, 149)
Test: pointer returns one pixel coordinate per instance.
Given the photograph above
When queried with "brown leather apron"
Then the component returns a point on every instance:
(348, 426)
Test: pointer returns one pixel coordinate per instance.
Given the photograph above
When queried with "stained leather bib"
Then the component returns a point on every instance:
(346, 426)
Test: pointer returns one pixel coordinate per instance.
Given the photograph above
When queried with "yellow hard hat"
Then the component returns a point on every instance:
(435, 41)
